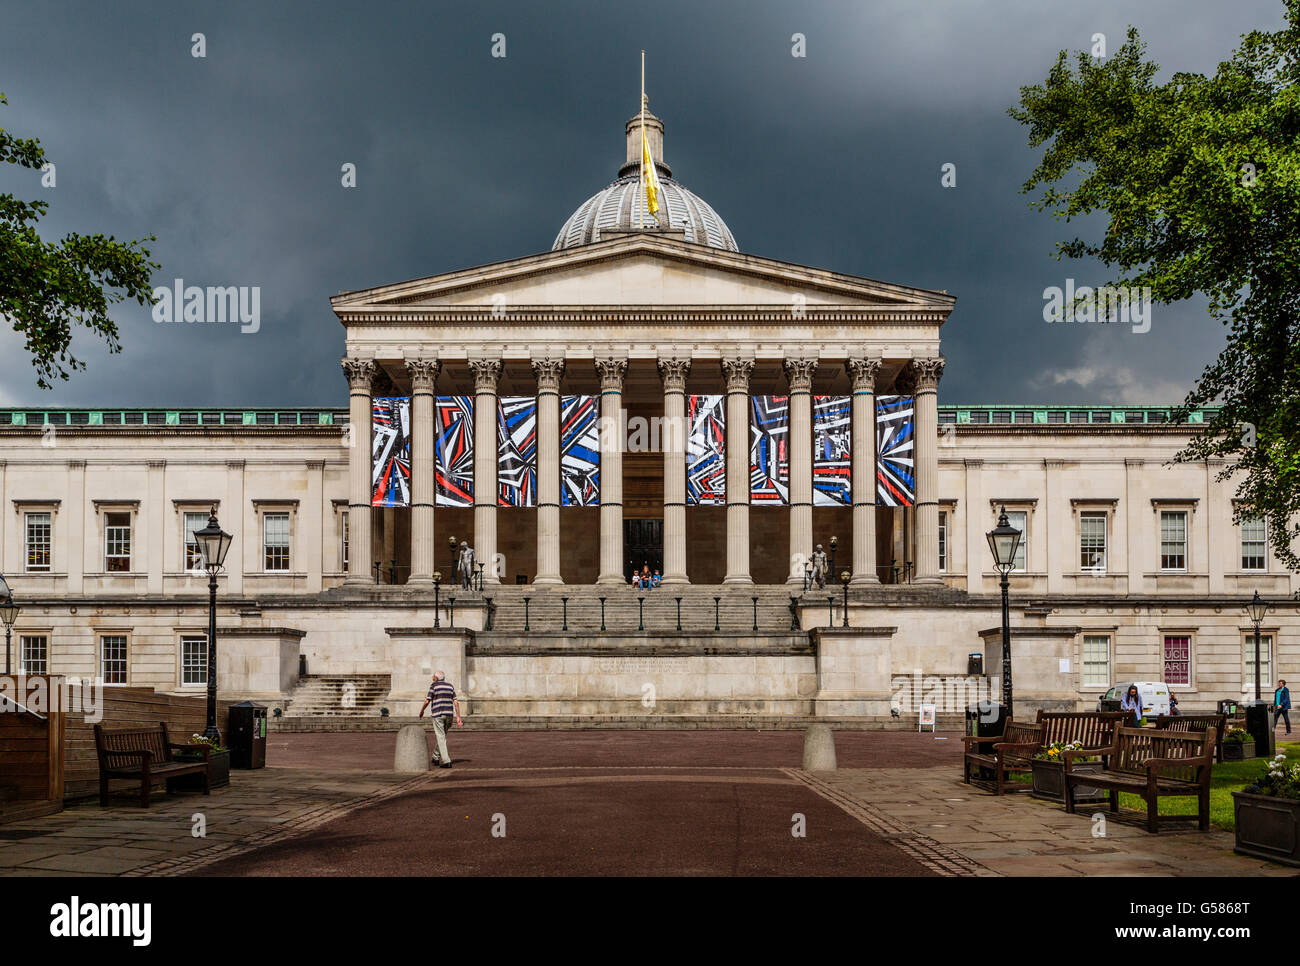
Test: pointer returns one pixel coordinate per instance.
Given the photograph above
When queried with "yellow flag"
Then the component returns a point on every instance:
(650, 178)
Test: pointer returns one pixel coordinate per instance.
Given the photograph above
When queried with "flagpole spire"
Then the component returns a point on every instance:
(639, 216)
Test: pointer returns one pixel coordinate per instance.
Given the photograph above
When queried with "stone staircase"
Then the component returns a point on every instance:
(337, 696)
(551, 608)
(947, 723)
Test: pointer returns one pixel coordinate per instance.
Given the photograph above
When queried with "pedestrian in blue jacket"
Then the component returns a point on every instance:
(1282, 701)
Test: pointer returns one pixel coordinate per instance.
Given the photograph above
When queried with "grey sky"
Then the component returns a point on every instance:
(833, 160)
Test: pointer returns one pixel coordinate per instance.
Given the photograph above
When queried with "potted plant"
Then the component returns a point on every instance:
(218, 765)
(1238, 745)
(1267, 813)
(1048, 767)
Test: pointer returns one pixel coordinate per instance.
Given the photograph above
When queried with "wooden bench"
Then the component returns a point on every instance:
(1151, 764)
(1217, 723)
(144, 754)
(1092, 729)
(1012, 751)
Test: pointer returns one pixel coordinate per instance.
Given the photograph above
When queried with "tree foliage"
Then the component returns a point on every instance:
(1200, 180)
(47, 288)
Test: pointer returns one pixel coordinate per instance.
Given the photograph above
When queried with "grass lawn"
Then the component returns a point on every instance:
(1225, 778)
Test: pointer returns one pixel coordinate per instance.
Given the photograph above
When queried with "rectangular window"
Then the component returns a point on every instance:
(1020, 520)
(193, 557)
(34, 654)
(943, 542)
(117, 542)
(38, 542)
(1096, 660)
(1178, 659)
(1173, 540)
(275, 541)
(1092, 542)
(343, 551)
(112, 658)
(1252, 544)
(1265, 666)
(194, 659)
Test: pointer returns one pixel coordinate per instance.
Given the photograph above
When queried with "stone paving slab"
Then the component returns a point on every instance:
(1017, 835)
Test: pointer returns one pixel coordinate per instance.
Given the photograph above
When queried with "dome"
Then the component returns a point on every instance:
(620, 206)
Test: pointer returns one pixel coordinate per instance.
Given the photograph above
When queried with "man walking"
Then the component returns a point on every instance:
(445, 708)
(1282, 701)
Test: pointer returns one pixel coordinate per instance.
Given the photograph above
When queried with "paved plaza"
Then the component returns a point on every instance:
(607, 803)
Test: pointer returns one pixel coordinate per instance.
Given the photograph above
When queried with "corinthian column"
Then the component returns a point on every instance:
(361, 374)
(673, 372)
(799, 375)
(612, 370)
(548, 373)
(486, 373)
(737, 373)
(862, 437)
(927, 373)
(424, 372)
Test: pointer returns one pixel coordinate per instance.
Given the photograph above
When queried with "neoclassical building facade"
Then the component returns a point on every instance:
(643, 395)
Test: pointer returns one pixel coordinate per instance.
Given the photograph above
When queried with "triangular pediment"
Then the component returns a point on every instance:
(641, 269)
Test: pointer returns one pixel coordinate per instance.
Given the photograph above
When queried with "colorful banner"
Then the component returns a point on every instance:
(769, 450)
(579, 451)
(706, 452)
(895, 441)
(453, 450)
(390, 451)
(832, 437)
(517, 451)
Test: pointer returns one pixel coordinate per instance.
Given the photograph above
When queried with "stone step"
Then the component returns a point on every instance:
(947, 723)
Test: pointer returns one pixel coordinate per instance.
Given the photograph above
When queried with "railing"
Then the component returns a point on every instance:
(135, 418)
(1066, 415)
(650, 612)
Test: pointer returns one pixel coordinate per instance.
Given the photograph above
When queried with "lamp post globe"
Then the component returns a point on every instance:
(214, 544)
(8, 614)
(1004, 542)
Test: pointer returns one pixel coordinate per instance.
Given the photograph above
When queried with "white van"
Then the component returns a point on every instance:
(1155, 697)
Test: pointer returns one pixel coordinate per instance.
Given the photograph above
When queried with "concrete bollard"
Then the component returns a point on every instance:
(818, 748)
(412, 754)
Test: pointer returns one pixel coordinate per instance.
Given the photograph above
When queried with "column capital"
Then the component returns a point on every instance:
(799, 373)
(863, 370)
(423, 372)
(927, 373)
(736, 371)
(486, 373)
(612, 369)
(673, 372)
(360, 374)
(548, 370)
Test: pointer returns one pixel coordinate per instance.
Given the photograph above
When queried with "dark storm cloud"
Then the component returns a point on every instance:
(833, 160)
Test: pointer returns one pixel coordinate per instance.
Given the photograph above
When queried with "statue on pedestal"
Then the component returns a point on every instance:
(465, 564)
(818, 561)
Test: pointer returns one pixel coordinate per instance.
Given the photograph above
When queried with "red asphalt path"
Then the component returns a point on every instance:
(596, 803)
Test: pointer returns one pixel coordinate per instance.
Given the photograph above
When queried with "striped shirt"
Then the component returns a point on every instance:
(441, 696)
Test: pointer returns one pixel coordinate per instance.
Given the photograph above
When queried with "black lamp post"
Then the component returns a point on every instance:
(437, 603)
(451, 545)
(835, 542)
(213, 545)
(844, 579)
(1257, 608)
(8, 614)
(1004, 541)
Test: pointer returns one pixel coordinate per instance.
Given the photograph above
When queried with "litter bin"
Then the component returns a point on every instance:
(247, 735)
(1109, 704)
(975, 664)
(1259, 722)
(985, 718)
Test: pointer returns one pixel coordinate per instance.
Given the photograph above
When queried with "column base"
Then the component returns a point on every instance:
(794, 581)
(547, 581)
(928, 581)
(674, 581)
(419, 581)
(611, 579)
(864, 580)
(738, 579)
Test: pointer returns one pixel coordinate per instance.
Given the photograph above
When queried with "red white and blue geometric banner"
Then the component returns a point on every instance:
(832, 437)
(390, 451)
(706, 450)
(453, 450)
(895, 447)
(769, 450)
(517, 451)
(579, 451)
